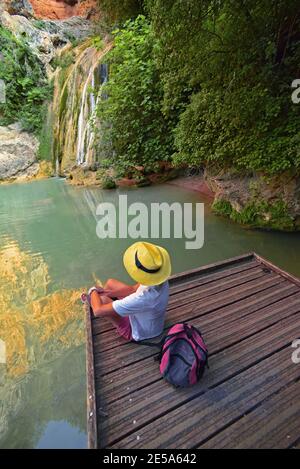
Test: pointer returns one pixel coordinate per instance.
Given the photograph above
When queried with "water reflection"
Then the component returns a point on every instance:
(55, 392)
(36, 328)
(62, 436)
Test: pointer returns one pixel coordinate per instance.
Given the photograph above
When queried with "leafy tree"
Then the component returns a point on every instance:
(120, 10)
(26, 83)
(227, 67)
(135, 131)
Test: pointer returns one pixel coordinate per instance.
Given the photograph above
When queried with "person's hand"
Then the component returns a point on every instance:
(109, 293)
(105, 292)
(96, 289)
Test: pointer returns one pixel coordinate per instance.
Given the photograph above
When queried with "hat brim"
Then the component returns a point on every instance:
(143, 277)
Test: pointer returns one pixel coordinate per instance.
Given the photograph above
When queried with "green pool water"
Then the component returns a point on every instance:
(49, 253)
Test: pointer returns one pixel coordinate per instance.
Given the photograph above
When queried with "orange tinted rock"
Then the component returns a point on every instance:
(62, 9)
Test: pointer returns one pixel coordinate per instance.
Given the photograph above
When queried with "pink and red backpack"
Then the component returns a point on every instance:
(183, 356)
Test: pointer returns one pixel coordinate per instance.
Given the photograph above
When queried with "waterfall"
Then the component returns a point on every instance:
(57, 169)
(103, 76)
(85, 130)
(74, 105)
(86, 121)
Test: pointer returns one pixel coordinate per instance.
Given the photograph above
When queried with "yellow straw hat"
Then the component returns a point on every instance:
(147, 263)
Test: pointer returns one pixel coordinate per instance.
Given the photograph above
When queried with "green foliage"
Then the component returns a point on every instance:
(247, 129)
(98, 42)
(134, 130)
(26, 84)
(222, 207)
(258, 214)
(105, 179)
(226, 69)
(120, 10)
(64, 61)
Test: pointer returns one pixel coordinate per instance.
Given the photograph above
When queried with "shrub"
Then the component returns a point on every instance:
(26, 84)
(121, 10)
(226, 69)
(134, 131)
(258, 214)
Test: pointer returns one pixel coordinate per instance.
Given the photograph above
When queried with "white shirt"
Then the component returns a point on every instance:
(146, 309)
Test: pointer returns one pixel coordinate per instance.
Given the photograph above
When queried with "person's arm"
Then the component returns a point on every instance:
(104, 310)
(121, 292)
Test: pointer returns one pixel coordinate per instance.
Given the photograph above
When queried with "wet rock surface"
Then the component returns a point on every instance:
(18, 151)
(242, 191)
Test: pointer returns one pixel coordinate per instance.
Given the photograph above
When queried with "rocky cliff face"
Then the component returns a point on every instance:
(17, 153)
(60, 21)
(59, 24)
(50, 9)
(55, 9)
(47, 38)
(257, 200)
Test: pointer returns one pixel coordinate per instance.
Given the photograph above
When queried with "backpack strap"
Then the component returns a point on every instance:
(157, 344)
(148, 344)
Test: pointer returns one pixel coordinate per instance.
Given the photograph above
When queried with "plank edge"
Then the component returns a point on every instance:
(92, 424)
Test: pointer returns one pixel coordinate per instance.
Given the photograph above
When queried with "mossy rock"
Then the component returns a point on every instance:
(259, 214)
(108, 183)
(222, 207)
(143, 182)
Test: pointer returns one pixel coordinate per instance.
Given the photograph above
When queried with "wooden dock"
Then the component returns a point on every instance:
(249, 313)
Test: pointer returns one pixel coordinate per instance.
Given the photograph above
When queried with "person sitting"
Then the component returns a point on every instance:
(137, 311)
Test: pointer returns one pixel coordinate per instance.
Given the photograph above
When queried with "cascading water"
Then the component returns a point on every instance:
(57, 168)
(103, 77)
(86, 121)
(75, 105)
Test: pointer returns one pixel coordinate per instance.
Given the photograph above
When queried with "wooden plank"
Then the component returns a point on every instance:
(92, 423)
(215, 409)
(176, 288)
(108, 360)
(242, 309)
(273, 267)
(220, 336)
(181, 277)
(273, 425)
(206, 278)
(203, 291)
(217, 301)
(124, 382)
(295, 444)
(160, 398)
(247, 309)
(229, 313)
(221, 285)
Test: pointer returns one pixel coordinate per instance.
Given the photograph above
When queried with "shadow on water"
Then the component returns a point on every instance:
(49, 252)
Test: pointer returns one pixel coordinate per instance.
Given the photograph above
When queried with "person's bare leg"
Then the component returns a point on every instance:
(97, 301)
(119, 289)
